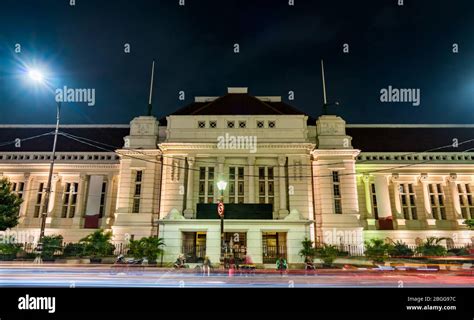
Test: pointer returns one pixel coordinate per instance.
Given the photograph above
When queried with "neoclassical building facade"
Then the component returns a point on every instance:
(289, 177)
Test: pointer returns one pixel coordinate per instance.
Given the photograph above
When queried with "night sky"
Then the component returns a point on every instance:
(82, 46)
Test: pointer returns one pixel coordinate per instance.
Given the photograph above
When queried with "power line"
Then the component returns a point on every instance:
(248, 165)
(275, 176)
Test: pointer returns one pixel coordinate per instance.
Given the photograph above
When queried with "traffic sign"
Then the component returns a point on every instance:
(220, 208)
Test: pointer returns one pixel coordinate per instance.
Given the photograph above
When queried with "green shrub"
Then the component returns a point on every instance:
(458, 252)
(328, 253)
(431, 247)
(376, 250)
(400, 249)
(74, 250)
(8, 251)
(148, 247)
(98, 244)
(469, 223)
(52, 246)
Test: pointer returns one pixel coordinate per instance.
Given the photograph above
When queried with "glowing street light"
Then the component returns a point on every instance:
(37, 76)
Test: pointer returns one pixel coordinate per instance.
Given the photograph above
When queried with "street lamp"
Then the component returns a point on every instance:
(38, 77)
(221, 185)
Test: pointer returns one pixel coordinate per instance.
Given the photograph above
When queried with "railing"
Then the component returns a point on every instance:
(30, 247)
(272, 253)
(194, 253)
(352, 250)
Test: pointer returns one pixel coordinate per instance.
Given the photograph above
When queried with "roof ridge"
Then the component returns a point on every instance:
(406, 125)
(65, 126)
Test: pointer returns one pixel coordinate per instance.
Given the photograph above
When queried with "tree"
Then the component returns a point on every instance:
(432, 247)
(98, 244)
(376, 250)
(148, 247)
(308, 252)
(9, 206)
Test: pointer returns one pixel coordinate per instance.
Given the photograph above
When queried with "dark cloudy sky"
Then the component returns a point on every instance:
(82, 46)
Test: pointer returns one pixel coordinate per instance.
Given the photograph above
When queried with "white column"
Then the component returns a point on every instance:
(188, 212)
(396, 194)
(26, 194)
(105, 223)
(81, 196)
(283, 212)
(383, 196)
(368, 200)
(53, 195)
(220, 175)
(455, 195)
(426, 196)
(251, 179)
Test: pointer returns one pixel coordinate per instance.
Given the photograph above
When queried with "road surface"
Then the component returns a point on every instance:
(106, 276)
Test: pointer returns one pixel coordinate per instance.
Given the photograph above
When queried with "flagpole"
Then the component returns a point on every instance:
(151, 87)
(325, 102)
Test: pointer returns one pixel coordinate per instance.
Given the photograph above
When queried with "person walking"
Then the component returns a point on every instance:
(281, 265)
(206, 266)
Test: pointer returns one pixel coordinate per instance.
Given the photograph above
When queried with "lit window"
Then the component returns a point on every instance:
(137, 192)
(206, 184)
(407, 198)
(266, 192)
(466, 201)
(438, 208)
(69, 200)
(336, 192)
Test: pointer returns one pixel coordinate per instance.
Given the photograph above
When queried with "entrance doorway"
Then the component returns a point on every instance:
(236, 246)
(194, 246)
(274, 246)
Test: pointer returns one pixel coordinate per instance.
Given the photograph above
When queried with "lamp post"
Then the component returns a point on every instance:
(38, 77)
(221, 185)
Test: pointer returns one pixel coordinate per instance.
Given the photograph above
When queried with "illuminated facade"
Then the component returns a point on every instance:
(288, 177)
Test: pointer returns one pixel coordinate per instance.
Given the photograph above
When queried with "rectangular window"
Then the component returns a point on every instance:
(18, 188)
(137, 192)
(466, 201)
(194, 246)
(236, 185)
(266, 185)
(103, 194)
(373, 197)
(438, 208)
(206, 184)
(407, 198)
(39, 205)
(274, 246)
(69, 200)
(336, 192)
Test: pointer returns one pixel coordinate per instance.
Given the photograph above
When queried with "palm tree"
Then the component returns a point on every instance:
(377, 250)
(149, 248)
(98, 244)
(432, 247)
